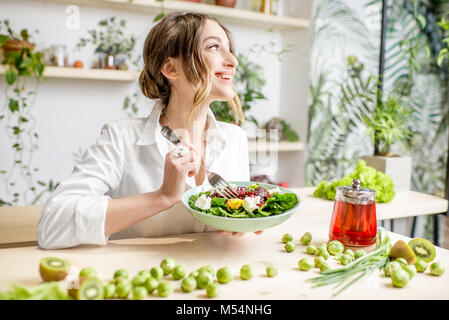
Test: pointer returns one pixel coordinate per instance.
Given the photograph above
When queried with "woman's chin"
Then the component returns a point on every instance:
(224, 96)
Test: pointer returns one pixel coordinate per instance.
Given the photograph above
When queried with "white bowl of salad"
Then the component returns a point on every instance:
(259, 206)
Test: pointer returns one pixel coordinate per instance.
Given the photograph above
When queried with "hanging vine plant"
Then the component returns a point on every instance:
(21, 62)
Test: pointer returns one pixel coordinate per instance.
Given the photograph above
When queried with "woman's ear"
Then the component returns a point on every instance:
(171, 69)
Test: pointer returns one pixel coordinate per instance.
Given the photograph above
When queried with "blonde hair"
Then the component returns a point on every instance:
(178, 35)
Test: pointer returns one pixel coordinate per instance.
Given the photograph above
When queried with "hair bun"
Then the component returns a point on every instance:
(151, 89)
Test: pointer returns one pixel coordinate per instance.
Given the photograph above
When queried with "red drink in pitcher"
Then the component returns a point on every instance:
(354, 224)
(354, 221)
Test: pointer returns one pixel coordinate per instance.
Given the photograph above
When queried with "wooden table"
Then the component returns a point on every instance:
(20, 265)
(17, 224)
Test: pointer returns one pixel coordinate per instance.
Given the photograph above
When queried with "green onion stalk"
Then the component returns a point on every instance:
(356, 270)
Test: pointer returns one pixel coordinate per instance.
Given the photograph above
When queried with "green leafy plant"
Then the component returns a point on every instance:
(131, 101)
(369, 178)
(110, 38)
(161, 14)
(286, 131)
(22, 62)
(19, 55)
(389, 123)
(444, 53)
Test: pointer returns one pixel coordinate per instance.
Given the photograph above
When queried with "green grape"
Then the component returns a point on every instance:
(400, 278)
(290, 246)
(335, 247)
(391, 267)
(138, 281)
(305, 264)
(119, 280)
(207, 268)
(188, 284)
(436, 269)
(359, 253)
(411, 270)
(311, 249)
(151, 284)
(213, 290)
(146, 274)
(322, 252)
(203, 279)
(272, 271)
(349, 252)
(246, 272)
(109, 290)
(420, 265)
(224, 275)
(164, 289)
(345, 259)
(318, 261)
(88, 272)
(139, 293)
(157, 273)
(123, 289)
(324, 266)
(178, 272)
(306, 238)
(167, 265)
(121, 273)
(287, 237)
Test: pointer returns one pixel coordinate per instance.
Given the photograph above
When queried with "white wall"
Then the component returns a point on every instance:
(70, 113)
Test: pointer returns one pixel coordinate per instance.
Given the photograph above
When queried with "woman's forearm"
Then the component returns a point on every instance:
(124, 212)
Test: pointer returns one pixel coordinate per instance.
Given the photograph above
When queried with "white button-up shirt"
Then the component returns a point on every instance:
(128, 159)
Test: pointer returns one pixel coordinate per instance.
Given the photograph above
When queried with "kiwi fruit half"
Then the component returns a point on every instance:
(403, 250)
(53, 269)
(423, 249)
(90, 288)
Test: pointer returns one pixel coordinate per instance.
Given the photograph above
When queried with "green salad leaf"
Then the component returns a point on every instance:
(369, 178)
(278, 203)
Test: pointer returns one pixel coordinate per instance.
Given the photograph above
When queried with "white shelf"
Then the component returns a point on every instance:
(282, 146)
(231, 15)
(87, 74)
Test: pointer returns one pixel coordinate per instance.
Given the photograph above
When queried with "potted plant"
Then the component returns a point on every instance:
(285, 130)
(110, 42)
(387, 125)
(387, 122)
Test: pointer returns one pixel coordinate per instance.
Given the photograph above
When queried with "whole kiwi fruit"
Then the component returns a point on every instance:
(53, 269)
(89, 288)
(423, 249)
(403, 250)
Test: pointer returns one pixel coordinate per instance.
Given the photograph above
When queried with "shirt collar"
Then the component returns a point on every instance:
(149, 133)
(215, 139)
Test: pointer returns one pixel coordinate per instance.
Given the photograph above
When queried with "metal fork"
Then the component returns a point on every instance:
(221, 186)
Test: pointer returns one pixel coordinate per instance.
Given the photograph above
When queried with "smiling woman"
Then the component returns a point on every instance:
(128, 181)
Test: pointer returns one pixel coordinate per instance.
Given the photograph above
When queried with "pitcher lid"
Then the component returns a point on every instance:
(355, 191)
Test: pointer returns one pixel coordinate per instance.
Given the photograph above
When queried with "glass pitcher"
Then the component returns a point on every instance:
(354, 220)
